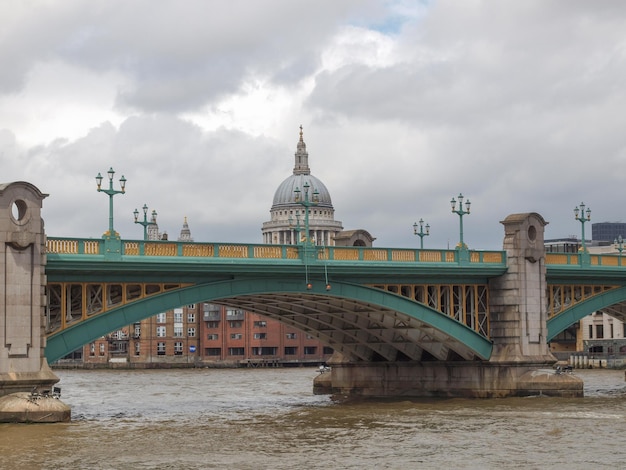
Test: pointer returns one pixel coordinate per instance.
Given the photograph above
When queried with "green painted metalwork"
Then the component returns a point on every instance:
(580, 310)
(604, 274)
(84, 260)
(457, 335)
(76, 246)
(462, 250)
(421, 232)
(140, 261)
(565, 262)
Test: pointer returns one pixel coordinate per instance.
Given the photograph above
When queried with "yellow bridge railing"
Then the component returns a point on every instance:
(587, 259)
(74, 246)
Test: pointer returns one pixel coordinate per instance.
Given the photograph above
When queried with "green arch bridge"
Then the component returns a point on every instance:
(372, 304)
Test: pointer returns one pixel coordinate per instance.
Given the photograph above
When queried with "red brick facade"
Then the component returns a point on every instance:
(205, 335)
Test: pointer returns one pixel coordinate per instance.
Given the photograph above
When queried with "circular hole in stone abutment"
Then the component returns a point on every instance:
(18, 210)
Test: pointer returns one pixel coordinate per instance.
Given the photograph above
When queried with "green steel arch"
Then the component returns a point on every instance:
(568, 317)
(402, 323)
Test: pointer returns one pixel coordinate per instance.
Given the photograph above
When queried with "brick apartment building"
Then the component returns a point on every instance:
(208, 335)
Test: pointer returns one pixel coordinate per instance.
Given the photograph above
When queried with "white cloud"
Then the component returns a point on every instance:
(404, 105)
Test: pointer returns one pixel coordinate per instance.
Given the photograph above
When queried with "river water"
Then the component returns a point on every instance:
(270, 419)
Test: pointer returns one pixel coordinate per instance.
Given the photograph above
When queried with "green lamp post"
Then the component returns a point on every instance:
(582, 216)
(306, 241)
(460, 212)
(421, 233)
(296, 228)
(307, 204)
(619, 241)
(145, 222)
(111, 192)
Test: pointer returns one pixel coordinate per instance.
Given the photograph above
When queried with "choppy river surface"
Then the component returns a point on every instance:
(270, 419)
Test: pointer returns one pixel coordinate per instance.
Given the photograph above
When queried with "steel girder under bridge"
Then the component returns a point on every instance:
(90, 293)
(581, 284)
(370, 304)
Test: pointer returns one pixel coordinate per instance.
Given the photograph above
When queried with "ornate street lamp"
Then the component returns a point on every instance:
(421, 233)
(306, 203)
(580, 210)
(306, 241)
(461, 213)
(296, 228)
(111, 192)
(145, 221)
(619, 241)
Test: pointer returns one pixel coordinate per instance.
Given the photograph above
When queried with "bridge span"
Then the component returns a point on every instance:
(366, 302)
(90, 293)
(402, 321)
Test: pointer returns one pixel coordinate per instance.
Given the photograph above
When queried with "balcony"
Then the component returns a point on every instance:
(212, 315)
(234, 315)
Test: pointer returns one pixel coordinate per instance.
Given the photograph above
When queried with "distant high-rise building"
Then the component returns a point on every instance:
(608, 231)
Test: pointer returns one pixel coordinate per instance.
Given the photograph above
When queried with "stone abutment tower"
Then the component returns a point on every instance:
(25, 378)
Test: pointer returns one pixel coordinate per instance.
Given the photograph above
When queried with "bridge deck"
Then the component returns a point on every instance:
(76, 246)
(90, 277)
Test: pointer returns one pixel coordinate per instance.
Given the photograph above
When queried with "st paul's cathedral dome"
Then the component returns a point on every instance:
(287, 213)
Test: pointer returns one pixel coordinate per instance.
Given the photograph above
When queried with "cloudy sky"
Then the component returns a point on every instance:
(521, 106)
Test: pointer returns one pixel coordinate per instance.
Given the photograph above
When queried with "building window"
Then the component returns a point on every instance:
(212, 336)
(600, 331)
(178, 315)
(161, 318)
(178, 348)
(291, 351)
(260, 335)
(191, 318)
(328, 350)
(161, 349)
(213, 352)
(264, 351)
(235, 351)
(260, 324)
(212, 324)
(291, 336)
(102, 349)
(119, 335)
(178, 331)
(137, 348)
(310, 350)
(590, 331)
(160, 332)
(191, 306)
(235, 324)
(236, 336)
(137, 330)
(191, 332)
(92, 348)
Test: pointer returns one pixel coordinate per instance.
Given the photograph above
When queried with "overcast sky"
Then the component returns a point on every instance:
(521, 106)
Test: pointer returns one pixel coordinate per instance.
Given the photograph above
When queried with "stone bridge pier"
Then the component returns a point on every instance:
(26, 381)
(521, 363)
